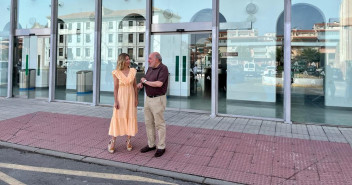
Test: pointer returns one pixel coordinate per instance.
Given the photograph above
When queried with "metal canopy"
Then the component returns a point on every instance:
(30, 32)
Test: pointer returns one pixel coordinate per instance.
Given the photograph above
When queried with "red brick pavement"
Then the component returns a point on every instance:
(237, 157)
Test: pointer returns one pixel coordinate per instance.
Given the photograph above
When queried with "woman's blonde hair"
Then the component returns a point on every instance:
(121, 61)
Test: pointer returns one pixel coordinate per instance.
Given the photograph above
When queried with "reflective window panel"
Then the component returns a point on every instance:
(123, 29)
(75, 46)
(4, 44)
(322, 61)
(251, 58)
(34, 14)
(188, 59)
(181, 11)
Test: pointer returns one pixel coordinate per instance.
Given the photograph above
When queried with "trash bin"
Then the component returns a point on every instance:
(27, 81)
(84, 82)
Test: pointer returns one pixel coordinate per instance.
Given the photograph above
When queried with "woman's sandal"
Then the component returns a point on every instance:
(129, 145)
(111, 146)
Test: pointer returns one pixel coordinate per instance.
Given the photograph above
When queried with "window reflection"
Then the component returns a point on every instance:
(123, 29)
(29, 19)
(168, 11)
(321, 61)
(4, 45)
(74, 70)
(250, 59)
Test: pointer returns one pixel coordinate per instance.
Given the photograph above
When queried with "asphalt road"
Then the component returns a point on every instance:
(20, 167)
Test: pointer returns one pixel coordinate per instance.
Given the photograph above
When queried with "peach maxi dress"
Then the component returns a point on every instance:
(124, 119)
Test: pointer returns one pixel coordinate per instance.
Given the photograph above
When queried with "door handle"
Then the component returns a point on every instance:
(184, 68)
(38, 72)
(27, 64)
(177, 68)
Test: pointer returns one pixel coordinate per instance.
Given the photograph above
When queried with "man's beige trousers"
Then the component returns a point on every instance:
(154, 119)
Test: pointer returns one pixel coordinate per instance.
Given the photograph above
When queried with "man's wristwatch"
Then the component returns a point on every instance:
(144, 81)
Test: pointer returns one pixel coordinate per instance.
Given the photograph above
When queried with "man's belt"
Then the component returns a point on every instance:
(156, 96)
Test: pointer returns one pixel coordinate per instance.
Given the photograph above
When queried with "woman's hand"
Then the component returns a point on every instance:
(139, 86)
(136, 102)
(117, 105)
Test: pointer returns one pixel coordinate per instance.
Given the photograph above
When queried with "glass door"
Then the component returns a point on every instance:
(187, 56)
(31, 67)
(171, 58)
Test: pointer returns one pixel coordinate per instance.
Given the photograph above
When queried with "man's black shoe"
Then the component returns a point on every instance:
(159, 152)
(147, 149)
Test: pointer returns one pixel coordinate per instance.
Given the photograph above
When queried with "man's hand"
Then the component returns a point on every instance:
(151, 84)
(139, 85)
(142, 80)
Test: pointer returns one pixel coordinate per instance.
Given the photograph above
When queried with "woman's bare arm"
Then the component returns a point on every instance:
(135, 91)
(116, 91)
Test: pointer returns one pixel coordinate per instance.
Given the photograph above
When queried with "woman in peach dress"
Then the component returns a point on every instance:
(124, 118)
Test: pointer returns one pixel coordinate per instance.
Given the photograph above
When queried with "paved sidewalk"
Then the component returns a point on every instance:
(237, 150)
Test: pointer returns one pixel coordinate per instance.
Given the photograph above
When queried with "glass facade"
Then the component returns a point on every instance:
(322, 61)
(4, 45)
(250, 72)
(75, 46)
(250, 50)
(28, 18)
(123, 29)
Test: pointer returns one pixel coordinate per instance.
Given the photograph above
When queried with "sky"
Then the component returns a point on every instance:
(4, 13)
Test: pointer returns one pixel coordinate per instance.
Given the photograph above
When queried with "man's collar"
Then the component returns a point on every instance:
(157, 67)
